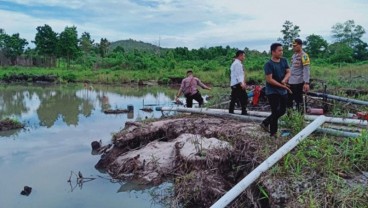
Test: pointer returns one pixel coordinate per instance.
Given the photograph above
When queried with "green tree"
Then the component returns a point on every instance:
(361, 51)
(86, 43)
(68, 44)
(30, 52)
(2, 44)
(2, 38)
(289, 32)
(119, 49)
(103, 47)
(340, 52)
(351, 34)
(13, 46)
(348, 33)
(170, 60)
(316, 46)
(181, 53)
(46, 42)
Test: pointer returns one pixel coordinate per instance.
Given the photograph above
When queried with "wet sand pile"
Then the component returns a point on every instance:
(203, 156)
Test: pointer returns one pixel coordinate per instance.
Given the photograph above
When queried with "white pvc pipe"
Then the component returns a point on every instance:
(212, 113)
(269, 162)
(338, 132)
(344, 128)
(253, 113)
(359, 122)
(335, 120)
(224, 112)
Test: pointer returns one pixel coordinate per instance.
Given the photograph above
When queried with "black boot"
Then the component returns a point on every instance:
(231, 108)
(244, 111)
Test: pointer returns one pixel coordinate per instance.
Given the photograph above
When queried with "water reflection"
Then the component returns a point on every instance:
(60, 103)
(9, 133)
(12, 101)
(77, 180)
(42, 105)
(61, 122)
(134, 186)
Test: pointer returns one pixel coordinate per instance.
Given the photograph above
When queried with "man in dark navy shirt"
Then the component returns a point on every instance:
(277, 73)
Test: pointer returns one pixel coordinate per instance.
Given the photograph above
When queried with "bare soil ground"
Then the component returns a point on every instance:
(204, 157)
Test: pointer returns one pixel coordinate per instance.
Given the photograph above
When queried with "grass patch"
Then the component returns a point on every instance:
(348, 76)
(9, 123)
(325, 171)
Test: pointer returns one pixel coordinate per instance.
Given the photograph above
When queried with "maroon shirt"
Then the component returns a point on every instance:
(189, 85)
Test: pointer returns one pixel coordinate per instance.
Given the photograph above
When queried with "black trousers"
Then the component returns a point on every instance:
(197, 97)
(278, 109)
(238, 94)
(297, 96)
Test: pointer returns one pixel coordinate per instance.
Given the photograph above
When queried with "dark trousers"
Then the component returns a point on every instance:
(297, 96)
(278, 109)
(238, 94)
(197, 97)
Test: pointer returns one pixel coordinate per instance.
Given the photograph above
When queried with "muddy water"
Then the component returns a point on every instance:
(61, 122)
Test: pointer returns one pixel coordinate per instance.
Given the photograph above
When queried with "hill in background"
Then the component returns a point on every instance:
(130, 45)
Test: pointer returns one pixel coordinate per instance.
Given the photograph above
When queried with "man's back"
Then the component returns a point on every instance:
(189, 85)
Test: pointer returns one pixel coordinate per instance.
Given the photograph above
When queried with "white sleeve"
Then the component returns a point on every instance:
(239, 73)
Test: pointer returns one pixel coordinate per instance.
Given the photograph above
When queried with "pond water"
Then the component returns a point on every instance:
(61, 121)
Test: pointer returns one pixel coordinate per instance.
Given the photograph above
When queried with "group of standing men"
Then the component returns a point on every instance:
(283, 85)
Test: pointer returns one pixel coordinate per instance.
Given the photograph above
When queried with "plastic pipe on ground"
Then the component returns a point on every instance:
(224, 114)
(268, 163)
(212, 113)
(334, 97)
(338, 132)
(340, 120)
(359, 122)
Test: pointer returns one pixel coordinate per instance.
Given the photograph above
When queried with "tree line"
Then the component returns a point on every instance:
(81, 52)
(347, 45)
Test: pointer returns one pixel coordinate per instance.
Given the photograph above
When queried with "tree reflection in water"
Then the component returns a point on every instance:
(52, 102)
(44, 105)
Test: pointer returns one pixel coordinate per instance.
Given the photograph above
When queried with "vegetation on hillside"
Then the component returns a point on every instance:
(131, 45)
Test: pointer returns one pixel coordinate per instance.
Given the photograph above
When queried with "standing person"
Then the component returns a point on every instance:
(189, 88)
(300, 75)
(277, 73)
(238, 84)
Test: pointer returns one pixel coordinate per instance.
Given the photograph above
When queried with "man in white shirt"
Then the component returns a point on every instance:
(238, 84)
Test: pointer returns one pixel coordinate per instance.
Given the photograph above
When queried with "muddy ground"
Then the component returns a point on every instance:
(203, 157)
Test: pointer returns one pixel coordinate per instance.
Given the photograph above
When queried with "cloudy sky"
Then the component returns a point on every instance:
(177, 23)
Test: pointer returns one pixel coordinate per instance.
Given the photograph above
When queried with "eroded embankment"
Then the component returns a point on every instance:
(204, 157)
